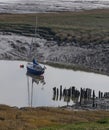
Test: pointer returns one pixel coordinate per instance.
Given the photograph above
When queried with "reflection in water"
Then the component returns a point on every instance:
(35, 80)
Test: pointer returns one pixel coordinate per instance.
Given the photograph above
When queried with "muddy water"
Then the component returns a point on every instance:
(19, 89)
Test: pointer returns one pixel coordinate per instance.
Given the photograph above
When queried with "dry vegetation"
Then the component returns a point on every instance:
(12, 118)
(85, 26)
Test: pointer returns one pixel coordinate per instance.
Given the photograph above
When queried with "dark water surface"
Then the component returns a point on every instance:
(18, 89)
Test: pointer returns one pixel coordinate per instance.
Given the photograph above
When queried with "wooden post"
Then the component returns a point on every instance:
(81, 93)
(61, 92)
(54, 93)
(57, 94)
(93, 98)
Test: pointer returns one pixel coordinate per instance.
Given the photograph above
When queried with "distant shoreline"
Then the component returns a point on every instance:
(43, 6)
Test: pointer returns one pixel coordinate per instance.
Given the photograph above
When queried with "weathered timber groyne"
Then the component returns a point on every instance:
(83, 98)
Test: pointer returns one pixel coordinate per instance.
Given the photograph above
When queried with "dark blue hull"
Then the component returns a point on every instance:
(32, 71)
(36, 70)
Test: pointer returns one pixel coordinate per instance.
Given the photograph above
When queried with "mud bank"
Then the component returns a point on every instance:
(89, 57)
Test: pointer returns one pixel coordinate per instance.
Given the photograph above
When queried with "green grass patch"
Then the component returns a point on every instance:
(103, 121)
(79, 126)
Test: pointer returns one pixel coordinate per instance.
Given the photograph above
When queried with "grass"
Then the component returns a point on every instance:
(102, 124)
(46, 118)
(83, 26)
(79, 126)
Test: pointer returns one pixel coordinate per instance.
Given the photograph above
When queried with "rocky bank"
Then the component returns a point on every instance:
(90, 56)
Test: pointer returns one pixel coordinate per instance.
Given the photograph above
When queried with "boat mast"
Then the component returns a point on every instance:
(36, 29)
(33, 40)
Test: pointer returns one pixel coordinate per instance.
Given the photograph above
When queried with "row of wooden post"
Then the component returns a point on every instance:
(77, 96)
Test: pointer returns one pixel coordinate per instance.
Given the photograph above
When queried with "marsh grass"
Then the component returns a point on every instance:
(79, 126)
(46, 118)
(84, 26)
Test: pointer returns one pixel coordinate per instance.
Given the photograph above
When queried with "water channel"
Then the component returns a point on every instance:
(21, 90)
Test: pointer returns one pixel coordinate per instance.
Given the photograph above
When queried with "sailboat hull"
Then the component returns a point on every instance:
(34, 70)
